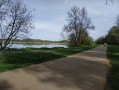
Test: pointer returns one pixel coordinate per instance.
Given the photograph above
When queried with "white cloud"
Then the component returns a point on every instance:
(47, 26)
(50, 16)
(94, 12)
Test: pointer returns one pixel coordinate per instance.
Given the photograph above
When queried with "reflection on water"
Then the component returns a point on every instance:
(38, 45)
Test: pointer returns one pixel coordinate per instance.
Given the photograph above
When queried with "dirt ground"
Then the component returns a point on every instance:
(83, 71)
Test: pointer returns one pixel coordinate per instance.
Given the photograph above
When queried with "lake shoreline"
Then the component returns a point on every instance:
(17, 58)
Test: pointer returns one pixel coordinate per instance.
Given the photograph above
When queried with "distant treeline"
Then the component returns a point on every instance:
(39, 40)
(111, 38)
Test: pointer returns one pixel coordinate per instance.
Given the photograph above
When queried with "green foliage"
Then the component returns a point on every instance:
(101, 40)
(113, 36)
(113, 76)
(39, 40)
(16, 58)
(72, 42)
(84, 39)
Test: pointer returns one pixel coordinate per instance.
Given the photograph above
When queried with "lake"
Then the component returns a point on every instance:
(38, 45)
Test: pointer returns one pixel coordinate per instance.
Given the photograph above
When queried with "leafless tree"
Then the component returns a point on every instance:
(78, 21)
(117, 21)
(15, 22)
(62, 36)
(109, 1)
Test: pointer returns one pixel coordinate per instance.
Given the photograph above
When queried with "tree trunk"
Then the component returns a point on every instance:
(1, 45)
(79, 40)
(75, 43)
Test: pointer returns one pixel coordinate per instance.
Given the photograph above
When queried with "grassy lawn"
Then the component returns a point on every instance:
(113, 76)
(16, 58)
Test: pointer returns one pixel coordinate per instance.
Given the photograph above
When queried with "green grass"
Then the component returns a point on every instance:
(16, 58)
(113, 76)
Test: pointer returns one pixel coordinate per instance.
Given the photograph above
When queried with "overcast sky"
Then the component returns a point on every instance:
(50, 16)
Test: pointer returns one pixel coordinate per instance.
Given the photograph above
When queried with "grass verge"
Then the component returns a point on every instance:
(17, 58)
(113, 75)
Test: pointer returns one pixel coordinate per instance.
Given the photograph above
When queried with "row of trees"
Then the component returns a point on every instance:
(77, 27)
(39, 40)
(113, 35)
(111, 38)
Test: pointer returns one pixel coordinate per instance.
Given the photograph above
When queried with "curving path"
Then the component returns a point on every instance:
(83, 71)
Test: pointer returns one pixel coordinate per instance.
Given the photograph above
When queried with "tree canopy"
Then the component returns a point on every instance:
(111, 38)
(113, 35)
(78, 23)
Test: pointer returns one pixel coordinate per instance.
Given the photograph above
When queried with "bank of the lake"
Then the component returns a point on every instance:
(113, 75)
(16, 58)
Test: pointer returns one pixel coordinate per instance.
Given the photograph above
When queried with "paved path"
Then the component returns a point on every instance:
(83, 71)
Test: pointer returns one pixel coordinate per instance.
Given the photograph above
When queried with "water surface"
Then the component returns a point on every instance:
(38, 45)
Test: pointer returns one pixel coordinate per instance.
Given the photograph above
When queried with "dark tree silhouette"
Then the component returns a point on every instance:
(15, 22)
(109, 1)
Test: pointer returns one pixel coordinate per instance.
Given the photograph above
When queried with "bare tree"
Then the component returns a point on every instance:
(62, 36)
(117, 21)
(78, 21)
(15, 22)
(109, 1)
